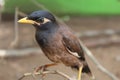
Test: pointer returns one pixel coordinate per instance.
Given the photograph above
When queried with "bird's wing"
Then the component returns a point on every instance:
(73, 46)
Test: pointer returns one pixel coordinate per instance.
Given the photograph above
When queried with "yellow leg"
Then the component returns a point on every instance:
(80, 72)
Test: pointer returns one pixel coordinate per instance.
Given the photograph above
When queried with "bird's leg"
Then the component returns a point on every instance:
(43, 67)
(80, 72)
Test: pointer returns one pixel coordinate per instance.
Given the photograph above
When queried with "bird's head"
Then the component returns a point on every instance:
(38, 18)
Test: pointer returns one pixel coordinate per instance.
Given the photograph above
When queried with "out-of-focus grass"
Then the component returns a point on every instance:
(24, 5)
(74, 7)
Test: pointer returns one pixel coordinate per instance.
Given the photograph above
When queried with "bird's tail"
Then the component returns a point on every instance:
(87, 70)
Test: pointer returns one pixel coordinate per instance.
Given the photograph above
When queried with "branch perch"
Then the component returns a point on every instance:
(46, 72)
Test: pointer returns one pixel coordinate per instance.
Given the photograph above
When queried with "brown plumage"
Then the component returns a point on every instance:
(58, 43)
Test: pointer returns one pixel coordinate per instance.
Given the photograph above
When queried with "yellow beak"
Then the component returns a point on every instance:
(26, 21)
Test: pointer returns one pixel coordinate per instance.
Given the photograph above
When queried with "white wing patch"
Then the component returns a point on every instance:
(73, 53)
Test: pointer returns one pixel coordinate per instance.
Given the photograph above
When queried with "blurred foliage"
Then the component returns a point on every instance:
(83, 7)
(24, 5)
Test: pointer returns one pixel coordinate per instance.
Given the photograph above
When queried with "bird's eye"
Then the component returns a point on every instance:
(41, 19)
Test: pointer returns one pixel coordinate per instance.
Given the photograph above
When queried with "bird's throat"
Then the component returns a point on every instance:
(45, 33)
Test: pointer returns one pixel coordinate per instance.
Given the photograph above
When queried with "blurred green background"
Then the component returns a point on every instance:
(72, 7)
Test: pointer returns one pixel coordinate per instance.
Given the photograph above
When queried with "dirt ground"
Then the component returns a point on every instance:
(12, 68)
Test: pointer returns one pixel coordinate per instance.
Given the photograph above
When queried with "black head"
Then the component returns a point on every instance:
(38, 18)
(40, 15)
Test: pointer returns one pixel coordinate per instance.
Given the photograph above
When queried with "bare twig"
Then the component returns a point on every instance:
(1, 9)
(14, 43)
(94, 33)
(22, 52)
(103, 42)
(21, 14)
(0, 16)
(87, 51)
(97, 63)
(39, 5)
(46, 72)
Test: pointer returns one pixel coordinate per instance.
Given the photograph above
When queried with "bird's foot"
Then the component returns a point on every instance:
(44, 67)
(40, 69)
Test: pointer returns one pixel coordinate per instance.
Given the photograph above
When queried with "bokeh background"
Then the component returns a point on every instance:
(95, 22)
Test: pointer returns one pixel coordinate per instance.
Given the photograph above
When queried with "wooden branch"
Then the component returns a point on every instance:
(44, 73)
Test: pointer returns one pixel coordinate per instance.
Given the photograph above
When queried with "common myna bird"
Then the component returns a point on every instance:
(57, 42)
